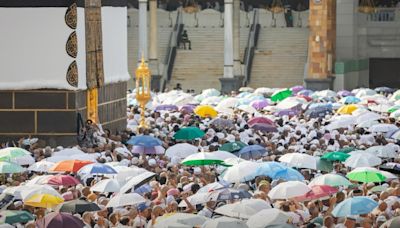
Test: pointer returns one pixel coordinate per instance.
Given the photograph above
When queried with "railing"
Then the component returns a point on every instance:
(251, 45)
(173, 44)
(384, 15)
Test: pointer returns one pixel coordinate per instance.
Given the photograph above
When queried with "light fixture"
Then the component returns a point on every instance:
(366, 6)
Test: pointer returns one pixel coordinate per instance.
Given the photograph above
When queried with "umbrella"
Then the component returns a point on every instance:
(330, 179)
(223, 222)
(299, 160)
(69, 152)
(230, 102)
(368, 116)
(69, 166)
(325, 93)
(41, 166)
(345, 93)
(128, 199)
(324, 165)
(107, 185)
(365, 92)
(281, 95)
(189, 133)
(238, 173)
(9, 167)
(144, 140)
(393, 109)
(78, 206)
(41, 179)
(187, 108)
(317, 191)
(205, 111)
(335, 156)
(82, 157)
(243, 209)
(166, 107)
(347, 109)
(366, 175)
(260, 120)
(211, 100)
(181, 150)
(357, 205)
(350, 100)
(12, 152)
(288, 174)
(148, 150)
(319, 112)
(223, 155)
(12, 217)
(125, 173)
(392, 223)
(210, 92)
(267, 218)
(391, 167)
(287, 190)
(305, 92)
(342, 122)
(43, 200)
(137, 181)
(384, 89)
(362, 160)
(382, 108)
(264, 127)
(233, 146)
(31, 190)
(62, 180)
(297, 88)
(222, 123)
(96, 168)
(251, 152)
(60, 220)
(382, 151)
(202, 158)
(383, 128)
(259, 104)
(180, 220)
(247, 108)
(246, 89)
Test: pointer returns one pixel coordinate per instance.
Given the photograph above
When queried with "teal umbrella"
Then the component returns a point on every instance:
(16, 216)
(189, 133)
(9, 167)
(281, 95)
(324, 165)
(232, 146)
(335, 156)
(12, 152)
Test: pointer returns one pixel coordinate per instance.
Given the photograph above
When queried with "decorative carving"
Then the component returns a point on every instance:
(72, 74)
(72, 45)
(71, 16)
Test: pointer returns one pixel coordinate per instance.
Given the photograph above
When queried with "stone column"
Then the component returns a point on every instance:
(321, 44)
(142, 30)
(153, 48)
(237, 70)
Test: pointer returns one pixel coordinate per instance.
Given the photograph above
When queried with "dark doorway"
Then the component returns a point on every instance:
(384, 72)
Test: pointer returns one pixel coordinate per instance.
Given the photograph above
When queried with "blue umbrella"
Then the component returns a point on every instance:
(144, 140)
(357, 205)
(97, 168)
(351, 100)
(253, 151)
(267, 169)
(288, 174)
(318, 112)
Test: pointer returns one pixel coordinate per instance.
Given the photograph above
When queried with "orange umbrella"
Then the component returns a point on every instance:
(69, 165)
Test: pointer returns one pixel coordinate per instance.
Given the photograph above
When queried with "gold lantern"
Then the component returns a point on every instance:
(143, 88)
(366, 6)
(190, 6)
(277, 6)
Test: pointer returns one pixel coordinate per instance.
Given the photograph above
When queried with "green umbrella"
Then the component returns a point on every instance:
(232, 146)
(189, 133)
(16, 216)
(202, 158)
(78, 206)
(12, 152)
(9, 167)
(324, 165)
(366, 175)
(335, 156)
(281, 95)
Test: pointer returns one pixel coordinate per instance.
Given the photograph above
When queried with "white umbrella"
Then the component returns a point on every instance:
(125, 173)
(181, 150)
(82, 157)
(233, 161)
(367, 116)
(395, 114)
(230, 102)
(247, 108)
(223, 155)
(389, 176)
(38, 189)
(41, 166)
(202, 156)
(69, 152)
(325, 93)
(240, 172)
(38, 180)
(210, 92)
(362, 160)
(367, 124)
(365, 92)
(135, 181)
(268, 217)
(243, 209)
(211, 101)
(121, 200)
(330, 179)
(383, 128)
(223, 222)
(107, 185)
(342, 121)
(382, 151)
(380, 108)
(24, 160)
(179, 220)
(289, 103)
(287, 190)
(299, 160)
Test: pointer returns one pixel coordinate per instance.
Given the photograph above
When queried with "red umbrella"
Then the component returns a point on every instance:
(59, 220)
(260, 120)
(317, 191)
(62, 180)
(69, 165)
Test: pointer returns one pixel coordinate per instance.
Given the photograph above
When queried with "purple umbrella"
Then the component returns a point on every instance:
(288, 112)
(59, 220)
(148, 150)
(188, 108)
(345, 93)
(166, 108)
(297, 88)
(305, 92)
(259, 104)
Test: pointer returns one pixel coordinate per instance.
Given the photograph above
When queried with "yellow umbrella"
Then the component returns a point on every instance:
(347, 109)
(206, 111)
(43, 200)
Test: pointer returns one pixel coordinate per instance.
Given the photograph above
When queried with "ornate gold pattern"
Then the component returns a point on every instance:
(71, 16)
(72, 74)
(72, 45)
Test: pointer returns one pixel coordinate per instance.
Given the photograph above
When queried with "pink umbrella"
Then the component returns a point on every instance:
(62, 180)
(264, 127)
(260, 120)
(317, 191)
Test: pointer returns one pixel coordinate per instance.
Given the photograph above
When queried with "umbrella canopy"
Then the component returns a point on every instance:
(392, 223)
(264, 127)
(69, 152)
(12, 152)
(268, 217)
(287, 190)
(251, 152)
(268, 169)
(299, 160)
(189, 133)
(383, 128)
(41, 166)
(223, 221)
(324, 165)
(223, 155)
(137, 181)
(362, 160)
(260, 120)
(366, 175)
(62, 180)
(382, 151)
(368, 116)
(181, 150)
(69, 166)
(222, 123)
(288, 174)
(12, 217)
(330, 179)
(317, 192)
(96, 168)
(281, 95)
(107, 185)
(166, 107)
(144, 140)
(335, 156)
(345, 93)
(180, 220)
(121, 200)
(148, 150)
(259, 104)
(78, 206)
(205, 111)
(29, 191)
(243, 209)
(347, 109)
(239, 173)
(60, 220)
(9, 167)
(230, 102)
(357, 205)
(391, 167)
(233, 146)
(43, 200)
(319, 112)
(202, 158)
(350, 100)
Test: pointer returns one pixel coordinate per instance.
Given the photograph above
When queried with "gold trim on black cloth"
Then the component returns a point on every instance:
(72, 74)
(71, 16)
(72, 45)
